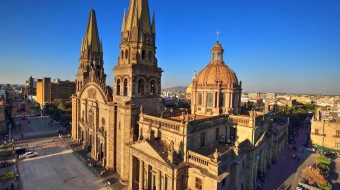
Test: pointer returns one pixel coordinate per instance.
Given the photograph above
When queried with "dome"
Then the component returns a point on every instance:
(216, 72)
(189, 89)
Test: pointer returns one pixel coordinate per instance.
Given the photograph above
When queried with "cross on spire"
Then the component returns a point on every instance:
(217, 33)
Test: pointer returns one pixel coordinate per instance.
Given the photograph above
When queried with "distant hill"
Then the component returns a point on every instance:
(180, 88)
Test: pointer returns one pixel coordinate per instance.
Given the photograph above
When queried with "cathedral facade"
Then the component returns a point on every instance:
(127, 129)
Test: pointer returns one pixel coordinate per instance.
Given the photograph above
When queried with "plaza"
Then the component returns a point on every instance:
(56, 167)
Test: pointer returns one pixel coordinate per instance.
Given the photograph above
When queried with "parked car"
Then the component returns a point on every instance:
(310, 149)
(18, 116)
(28, 155)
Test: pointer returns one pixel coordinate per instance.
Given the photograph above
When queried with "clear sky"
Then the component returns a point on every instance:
(272, 45)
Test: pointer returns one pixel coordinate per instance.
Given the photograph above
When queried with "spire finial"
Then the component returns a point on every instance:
(92, 4)
(217, 33)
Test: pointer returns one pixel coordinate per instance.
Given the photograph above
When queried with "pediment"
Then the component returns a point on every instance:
(92, 92)
(145, 147)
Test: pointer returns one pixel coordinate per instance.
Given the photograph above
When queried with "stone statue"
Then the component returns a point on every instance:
(215, 155)
(187, 118)
(182, 117)
(171, 147)
(141, 109)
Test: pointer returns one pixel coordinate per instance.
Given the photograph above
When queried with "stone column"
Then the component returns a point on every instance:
(228, 101)
(232, 100)
(131, 172)
(141, 175)
(158, 180)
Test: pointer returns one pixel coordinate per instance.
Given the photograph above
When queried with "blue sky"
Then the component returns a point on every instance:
(272, 45)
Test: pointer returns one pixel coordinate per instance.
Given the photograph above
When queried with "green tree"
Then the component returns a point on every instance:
(325, 186)
(323, 160)
(324, 169)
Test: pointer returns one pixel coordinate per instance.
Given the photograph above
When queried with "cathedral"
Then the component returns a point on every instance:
(127, 128)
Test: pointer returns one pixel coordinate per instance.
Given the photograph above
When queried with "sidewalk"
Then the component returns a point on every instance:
(111, 177)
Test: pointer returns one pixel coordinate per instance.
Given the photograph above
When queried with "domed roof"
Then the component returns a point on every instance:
(189, 89)
(216, 72)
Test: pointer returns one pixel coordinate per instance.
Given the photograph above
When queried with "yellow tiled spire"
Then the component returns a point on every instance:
(124, 21)
(91, 41)
(141, 7)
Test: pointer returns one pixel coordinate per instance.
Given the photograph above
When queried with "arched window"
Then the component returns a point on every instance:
(143, 54)
(152, 87)
(199, 101)
(126, 54)
(141, 86)
(118, 88)
(122, 55)
(125, 87)
(150, 55)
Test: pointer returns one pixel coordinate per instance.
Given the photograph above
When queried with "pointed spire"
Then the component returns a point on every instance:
(141, 8)
(153, 23)
(91, 38)
(124, 21)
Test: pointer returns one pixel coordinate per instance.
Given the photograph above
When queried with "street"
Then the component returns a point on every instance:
(56, 167)
(286, 174)
(38, 126)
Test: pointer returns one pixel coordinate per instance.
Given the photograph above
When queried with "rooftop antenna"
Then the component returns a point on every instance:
(217, 33)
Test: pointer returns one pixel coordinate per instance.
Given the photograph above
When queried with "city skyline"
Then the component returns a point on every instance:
(277, 46)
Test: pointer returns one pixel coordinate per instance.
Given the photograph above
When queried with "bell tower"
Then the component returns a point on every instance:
(137, 75)
(137, 79)
(91, 54)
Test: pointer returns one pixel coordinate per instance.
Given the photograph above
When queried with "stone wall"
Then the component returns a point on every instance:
(326, 134)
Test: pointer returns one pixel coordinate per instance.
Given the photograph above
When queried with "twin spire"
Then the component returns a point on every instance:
(137, 24)
(91, 42)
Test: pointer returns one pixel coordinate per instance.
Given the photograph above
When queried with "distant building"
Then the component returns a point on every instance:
(271, 95)
(48, 91)
(2, 117)
(30, 87)
(62, 89)
(273, 105)
(44, 90)
(325, 130)
(3, 95)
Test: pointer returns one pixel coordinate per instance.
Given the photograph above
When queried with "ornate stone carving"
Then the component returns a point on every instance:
(91, 93)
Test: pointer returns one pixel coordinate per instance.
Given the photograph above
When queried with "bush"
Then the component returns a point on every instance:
(6, 154)
(323, 160)
(6, 145)
(6, 176)
(325, 186)
(324, 169)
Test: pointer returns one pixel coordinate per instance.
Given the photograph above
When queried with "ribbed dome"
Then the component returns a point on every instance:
(216, 73)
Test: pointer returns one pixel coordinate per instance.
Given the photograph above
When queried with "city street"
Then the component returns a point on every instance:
(286, 174)
(38, 127)
(56, 167)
